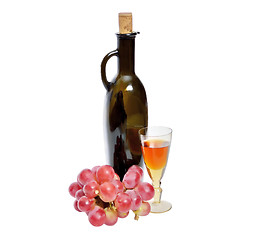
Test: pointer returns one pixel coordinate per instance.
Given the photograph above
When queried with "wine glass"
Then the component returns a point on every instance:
(155, 145)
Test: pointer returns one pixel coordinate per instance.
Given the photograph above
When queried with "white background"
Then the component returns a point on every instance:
(195, 59)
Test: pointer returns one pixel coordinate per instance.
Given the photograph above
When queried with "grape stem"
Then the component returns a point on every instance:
(111, 205)
(136, 217)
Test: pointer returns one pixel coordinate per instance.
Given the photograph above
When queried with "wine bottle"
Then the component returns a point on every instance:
(126, 109)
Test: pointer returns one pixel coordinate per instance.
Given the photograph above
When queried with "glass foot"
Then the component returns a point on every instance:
(160, 207)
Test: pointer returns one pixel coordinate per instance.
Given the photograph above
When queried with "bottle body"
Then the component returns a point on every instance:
(126, 111)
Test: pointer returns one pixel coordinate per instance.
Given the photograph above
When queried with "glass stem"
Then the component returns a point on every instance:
(158, 191)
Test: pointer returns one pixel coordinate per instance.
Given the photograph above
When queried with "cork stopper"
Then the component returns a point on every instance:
(125, 22)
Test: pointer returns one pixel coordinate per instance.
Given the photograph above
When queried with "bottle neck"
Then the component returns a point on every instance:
(126, 44)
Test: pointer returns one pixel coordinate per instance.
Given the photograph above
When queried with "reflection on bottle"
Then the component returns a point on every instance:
(119, 157)
(134, 143)
(118, 114)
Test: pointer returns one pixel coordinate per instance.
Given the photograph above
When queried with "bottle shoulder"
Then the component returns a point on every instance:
(126, 80)
(129, 86)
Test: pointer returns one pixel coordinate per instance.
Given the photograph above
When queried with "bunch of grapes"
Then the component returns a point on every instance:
(104, 198)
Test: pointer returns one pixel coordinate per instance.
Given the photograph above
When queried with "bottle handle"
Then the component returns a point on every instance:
(103, 66)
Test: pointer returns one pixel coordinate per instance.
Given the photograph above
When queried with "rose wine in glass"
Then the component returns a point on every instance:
(155, 149)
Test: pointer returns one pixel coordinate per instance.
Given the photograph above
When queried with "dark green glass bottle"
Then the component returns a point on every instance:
(126, 109)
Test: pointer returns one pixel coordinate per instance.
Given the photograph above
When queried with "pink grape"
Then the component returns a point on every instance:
(136, 199)
(86, 204)
(85, 176)
(143, 210)
(119, 185)
(111, 216)
(94, 170)
(131, 179)
(122, 214)
(105, 173)
(97, 216)
(73, 188)
(123, 202)
(107, 192)
(137, 169)
(146, 190)
(79, 194)
(76, 206)
(91, 189)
